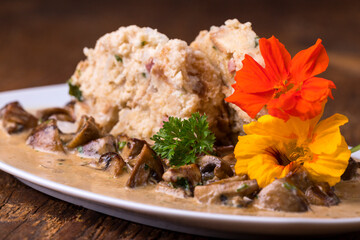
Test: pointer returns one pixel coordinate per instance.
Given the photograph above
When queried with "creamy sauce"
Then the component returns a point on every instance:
(72, 171)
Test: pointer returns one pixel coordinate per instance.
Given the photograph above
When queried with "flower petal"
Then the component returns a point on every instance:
(250, 145)
(247, 147)
(294, 128)
(252, 78)
(306, 110)
(251, 103)
(278, 107)
(327, 136)
(265, 169)
(277, 59)
(329, 167)
(316, 89)
(309, 62)
(279, 113)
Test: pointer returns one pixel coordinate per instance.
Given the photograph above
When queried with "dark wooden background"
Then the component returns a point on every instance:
(42, 41)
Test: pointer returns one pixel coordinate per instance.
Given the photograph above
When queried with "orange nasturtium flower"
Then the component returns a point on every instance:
(287, 86)
(272, 148)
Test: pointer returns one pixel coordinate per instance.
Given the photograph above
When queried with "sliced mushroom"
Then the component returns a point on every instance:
(61, 114)
(15, 119)
(70, 107)
(65, 137)
(88, 130)
(315, 193)
(300, 178)
(350, 171)
(229, 159)
(131, 149)
(112, 162)
(321, 194)
(230, 191)
(169, 189)
(212, 166)
(222, 151)
(281, 195)
(46, 137)
(148, 168)
(186, 177)
(98, 147)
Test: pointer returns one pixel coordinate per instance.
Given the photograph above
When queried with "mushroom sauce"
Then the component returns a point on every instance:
(72, 170)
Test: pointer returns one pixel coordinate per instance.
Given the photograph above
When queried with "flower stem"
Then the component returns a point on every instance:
(355, 149)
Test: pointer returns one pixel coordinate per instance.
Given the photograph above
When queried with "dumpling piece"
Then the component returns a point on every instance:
(225, 47)
(135, 78)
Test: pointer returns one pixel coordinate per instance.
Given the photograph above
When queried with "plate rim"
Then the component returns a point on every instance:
(153, 209)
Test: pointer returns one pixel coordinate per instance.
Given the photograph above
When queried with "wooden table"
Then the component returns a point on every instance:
(41, 42)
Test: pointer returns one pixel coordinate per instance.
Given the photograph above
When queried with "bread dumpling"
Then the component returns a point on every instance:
(135, 78)
(225, 47)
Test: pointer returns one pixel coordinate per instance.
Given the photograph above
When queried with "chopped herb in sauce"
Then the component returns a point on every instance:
(214, 47)
(118, 58)
(80, 149)
(146, 167)
(257, 38)
(183, 183)
(242, 187)
(289, 186)
(121, 145)
(143, 74)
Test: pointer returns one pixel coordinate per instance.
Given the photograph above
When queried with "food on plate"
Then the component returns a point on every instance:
(226, 47)
(135, 78)
(164, 115)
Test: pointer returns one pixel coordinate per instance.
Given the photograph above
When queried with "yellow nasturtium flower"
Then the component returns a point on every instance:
(272, 148)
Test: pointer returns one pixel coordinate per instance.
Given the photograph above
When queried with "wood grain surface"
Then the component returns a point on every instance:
(42, 41)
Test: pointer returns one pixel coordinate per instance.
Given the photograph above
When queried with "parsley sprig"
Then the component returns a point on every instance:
(181, 141)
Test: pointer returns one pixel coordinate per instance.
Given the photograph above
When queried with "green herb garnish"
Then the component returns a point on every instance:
(121, 145)
(289, 186)
(80, 149)
(146, 167)
(118, 58)
(242, 187)
(75, 91)
(183, 183)
(143, 74)
(214, 47)
(181, 141)
(257, 38)
(143, 43)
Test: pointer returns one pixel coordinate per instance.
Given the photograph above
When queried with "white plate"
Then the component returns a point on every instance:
(201, 223)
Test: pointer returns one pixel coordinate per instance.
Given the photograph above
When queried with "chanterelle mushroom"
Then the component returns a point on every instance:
(98, 147)
(62, 114)
(110, 161)
(212, 166)
(88, 130)
(186, 177)
(351, 170)
(316, 193)
(15, 119)
(132, 147)
(147, 167)
(281, 195)
(233, 191)
(46, 137)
